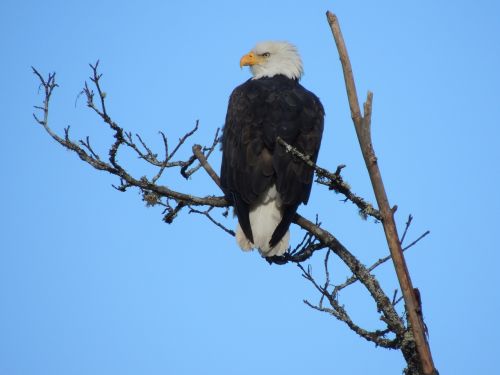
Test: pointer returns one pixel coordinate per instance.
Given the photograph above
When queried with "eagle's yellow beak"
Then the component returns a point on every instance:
(250, 59)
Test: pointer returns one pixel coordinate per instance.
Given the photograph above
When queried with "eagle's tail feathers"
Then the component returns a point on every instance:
(268, 225)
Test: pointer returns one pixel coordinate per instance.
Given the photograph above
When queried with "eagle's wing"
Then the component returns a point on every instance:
(259, 111)
(247, 165)
(303, 132)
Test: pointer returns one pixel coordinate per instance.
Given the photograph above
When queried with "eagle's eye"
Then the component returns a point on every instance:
(266, 54)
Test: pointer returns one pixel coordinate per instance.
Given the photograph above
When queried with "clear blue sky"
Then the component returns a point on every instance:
(92, 282)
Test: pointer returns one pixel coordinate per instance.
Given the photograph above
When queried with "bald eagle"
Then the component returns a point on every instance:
(265, 183)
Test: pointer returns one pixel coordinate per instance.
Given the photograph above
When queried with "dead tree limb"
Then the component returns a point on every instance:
(362, 124)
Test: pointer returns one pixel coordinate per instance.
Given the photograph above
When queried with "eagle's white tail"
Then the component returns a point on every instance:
(264, 218)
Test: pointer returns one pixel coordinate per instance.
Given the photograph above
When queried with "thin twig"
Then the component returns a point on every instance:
(207, 214)
(86, 144)
(417, 240)
(183, 139)
(407, 226)
(327, 276)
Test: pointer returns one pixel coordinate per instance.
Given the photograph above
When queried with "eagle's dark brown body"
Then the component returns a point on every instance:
(259, 111)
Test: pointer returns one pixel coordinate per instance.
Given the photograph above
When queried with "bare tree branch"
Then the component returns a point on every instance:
(362, 125)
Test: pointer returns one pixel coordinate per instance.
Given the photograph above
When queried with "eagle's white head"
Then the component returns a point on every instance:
(268, 59)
